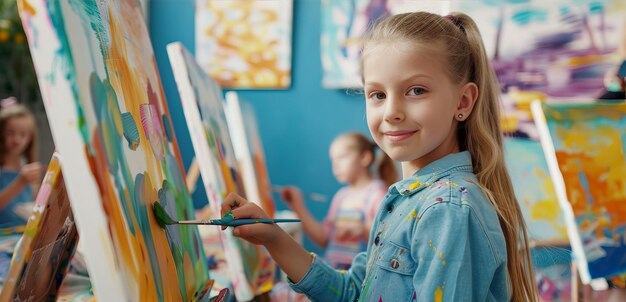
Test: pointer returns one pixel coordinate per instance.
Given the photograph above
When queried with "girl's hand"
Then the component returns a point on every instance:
(31, 173)
(293, 198)
(260, 233)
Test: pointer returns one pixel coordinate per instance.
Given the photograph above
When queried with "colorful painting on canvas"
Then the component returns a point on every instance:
(249, 151)
(534, 190)
(560, 48)
(41, 258)
(250, 268)
(588, 165)
(245, 44)
(109, 118)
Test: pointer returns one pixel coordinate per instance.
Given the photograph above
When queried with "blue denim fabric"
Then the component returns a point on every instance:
(436, 238)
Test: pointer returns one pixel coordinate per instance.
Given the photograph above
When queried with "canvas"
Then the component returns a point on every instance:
(585, 146)
(535, 193)
(110, 120)
(245, 44)
(249, 268)
(41, 258)
(560, 48)
(249, 151)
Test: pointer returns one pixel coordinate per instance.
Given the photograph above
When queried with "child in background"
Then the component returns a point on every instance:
(346, 228)
(20, 172)
(451, 230)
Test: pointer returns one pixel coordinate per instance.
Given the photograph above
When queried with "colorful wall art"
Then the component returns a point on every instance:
(245, 44)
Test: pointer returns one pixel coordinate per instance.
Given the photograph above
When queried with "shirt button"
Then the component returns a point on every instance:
(394, 263)
(377, 239)
(406, 191)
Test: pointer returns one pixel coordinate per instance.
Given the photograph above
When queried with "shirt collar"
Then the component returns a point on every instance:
(434, 171)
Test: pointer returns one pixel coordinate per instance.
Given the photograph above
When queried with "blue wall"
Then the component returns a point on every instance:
(297, 125)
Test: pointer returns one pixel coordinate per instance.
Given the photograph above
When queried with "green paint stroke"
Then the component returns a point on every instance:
(139, 207)
(66, 65)
(334, 290)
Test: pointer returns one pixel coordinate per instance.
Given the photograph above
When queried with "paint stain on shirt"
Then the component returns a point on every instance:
(438, 297)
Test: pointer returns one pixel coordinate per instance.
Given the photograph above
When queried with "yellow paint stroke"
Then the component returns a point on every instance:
(127, 247)
(438, 297)
(28, 7)
(548, 210)
(413, 214)
(604, 166)
(131, 89)
(134, 91)
(415, 184)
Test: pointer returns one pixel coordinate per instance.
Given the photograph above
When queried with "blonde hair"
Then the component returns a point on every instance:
(15, 110)
(386, 168)
(460, 42)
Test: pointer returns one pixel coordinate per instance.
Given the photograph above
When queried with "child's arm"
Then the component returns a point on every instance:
(29, 174)
(288, 254)
(311, 275)
(315, 230)
(12, 190)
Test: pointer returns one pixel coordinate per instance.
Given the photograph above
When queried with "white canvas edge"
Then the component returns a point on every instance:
(84, 195)
(175, 50)
(236, 126)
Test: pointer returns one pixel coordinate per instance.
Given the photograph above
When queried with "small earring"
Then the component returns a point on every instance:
(460, 116)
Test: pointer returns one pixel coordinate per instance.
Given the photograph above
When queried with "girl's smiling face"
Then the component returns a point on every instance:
(411, 103)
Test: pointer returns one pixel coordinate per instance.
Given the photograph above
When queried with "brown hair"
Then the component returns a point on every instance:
(386, 168)
(460, 42)
(13, 110)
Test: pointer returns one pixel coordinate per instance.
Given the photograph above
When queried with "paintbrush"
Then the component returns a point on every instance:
(164, 219)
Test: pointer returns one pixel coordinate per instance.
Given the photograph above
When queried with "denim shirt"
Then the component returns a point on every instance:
(436, 237)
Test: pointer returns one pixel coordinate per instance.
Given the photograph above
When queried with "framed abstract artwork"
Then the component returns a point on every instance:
(245, 44)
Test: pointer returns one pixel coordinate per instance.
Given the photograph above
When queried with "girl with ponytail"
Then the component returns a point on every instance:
(451, 229)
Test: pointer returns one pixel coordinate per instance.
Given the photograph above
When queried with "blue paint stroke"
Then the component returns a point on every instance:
(131, 133)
